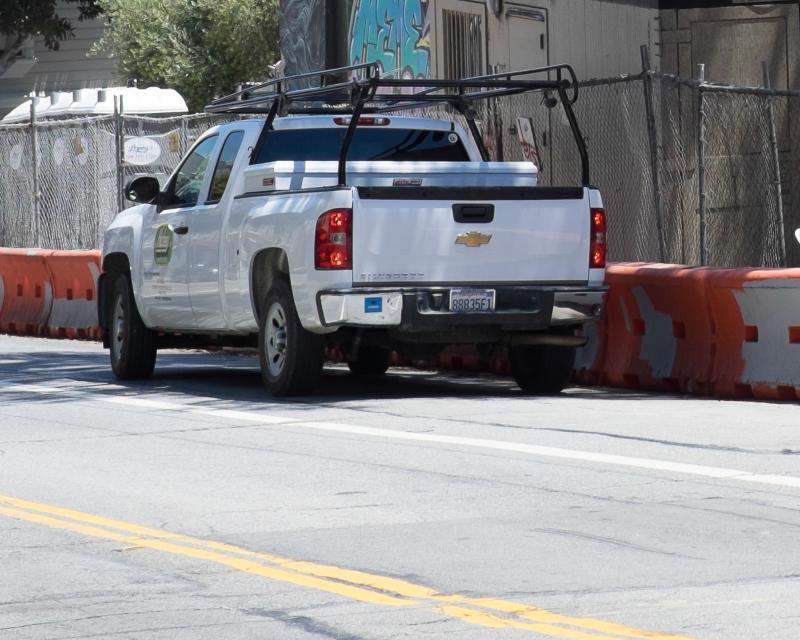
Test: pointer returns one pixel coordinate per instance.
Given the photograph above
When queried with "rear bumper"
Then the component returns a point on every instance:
(518, 308)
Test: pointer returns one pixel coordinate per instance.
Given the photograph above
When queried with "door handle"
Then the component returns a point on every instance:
(180, 231)
(473, 213)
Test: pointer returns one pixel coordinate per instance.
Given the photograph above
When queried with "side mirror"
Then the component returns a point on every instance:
(797, 234)
(144, 189)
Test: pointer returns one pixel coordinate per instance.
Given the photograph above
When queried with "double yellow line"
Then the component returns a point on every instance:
(355, 585)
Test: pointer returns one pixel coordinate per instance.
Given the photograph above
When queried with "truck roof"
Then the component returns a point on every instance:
(325, 122)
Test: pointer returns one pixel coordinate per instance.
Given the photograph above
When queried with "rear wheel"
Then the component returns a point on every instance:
(133, 345)
(291, 357)
(371, 361)
(542, 369)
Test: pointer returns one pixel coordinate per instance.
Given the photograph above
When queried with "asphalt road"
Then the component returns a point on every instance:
(419, 505)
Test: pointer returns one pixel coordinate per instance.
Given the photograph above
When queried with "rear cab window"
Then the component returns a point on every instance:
(389, 145)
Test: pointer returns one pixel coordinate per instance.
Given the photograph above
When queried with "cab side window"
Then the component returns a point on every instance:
(185, 189)
(222, 172)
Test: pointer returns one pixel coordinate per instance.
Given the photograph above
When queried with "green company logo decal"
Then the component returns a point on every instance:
(162, 247)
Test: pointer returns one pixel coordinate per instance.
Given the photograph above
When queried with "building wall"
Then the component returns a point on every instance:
(602, 38)
(71, 67)
(732, 42)
(598, 37)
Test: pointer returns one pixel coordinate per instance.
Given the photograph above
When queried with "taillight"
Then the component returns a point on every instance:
(333, 245)
(597, 245)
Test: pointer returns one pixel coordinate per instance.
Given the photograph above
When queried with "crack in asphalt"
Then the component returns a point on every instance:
(613, 542)
(100, 616)
(306, 623)
(602, 434)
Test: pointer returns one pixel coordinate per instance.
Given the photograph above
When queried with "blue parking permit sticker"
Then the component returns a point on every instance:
(373, 305)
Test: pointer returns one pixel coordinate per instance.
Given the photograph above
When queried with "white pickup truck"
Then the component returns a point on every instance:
(365, 232)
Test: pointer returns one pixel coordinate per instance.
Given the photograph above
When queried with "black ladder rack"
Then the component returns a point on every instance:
(360, 89)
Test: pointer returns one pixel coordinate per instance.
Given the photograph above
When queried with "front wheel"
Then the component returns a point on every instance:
(291, 357)
(133, 345)
(542, 369)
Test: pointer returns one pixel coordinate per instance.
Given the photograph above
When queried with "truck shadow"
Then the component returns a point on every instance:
(226, 376)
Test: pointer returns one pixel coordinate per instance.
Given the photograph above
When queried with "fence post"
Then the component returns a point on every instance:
(776, 165)
(35, 174)
(184, 136)
(652, 134)
(701, 163)
(119, 148)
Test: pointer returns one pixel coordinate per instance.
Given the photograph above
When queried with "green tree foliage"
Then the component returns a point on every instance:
(201, 48)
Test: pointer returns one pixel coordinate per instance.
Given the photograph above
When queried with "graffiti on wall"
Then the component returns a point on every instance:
(394, 33)
(302, 37)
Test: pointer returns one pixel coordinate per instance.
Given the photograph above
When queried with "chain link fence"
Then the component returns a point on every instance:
(690, 173)
(61, 181)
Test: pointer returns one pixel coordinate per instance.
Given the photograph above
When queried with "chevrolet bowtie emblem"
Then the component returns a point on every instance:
(473, 239)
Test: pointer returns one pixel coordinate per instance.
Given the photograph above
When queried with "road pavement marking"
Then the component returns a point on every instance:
(556, 452)
(720, 473)
(356, 585)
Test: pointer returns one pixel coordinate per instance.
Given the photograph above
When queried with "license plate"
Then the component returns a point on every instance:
(468, 300)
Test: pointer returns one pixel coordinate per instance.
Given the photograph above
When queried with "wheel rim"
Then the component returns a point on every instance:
(117, 329)
(276, 339)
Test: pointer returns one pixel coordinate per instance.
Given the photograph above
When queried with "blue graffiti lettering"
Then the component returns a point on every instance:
(393, 33)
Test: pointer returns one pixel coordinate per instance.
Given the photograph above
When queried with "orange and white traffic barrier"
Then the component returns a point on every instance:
(704, 331)
(756, 318)
(26, 293)
(74, 278)
(659, 335)
(460, 358)
(589, 358)
(720, 332)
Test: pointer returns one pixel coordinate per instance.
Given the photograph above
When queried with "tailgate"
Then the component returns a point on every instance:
(412, 235)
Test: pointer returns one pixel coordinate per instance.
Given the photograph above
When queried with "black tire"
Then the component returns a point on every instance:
(542, 369)
(291, 357)
(371, 361)
(132, 345)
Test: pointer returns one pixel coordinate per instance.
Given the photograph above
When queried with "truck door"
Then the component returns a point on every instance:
(165, 243)
(207, 239)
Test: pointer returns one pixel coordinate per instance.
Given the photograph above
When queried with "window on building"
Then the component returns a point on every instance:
(463, 44)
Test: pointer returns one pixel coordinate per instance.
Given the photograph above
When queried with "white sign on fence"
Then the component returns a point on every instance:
(141, 150)
(527, 141)
(59, 149)
(80, 147)
(15, 157)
